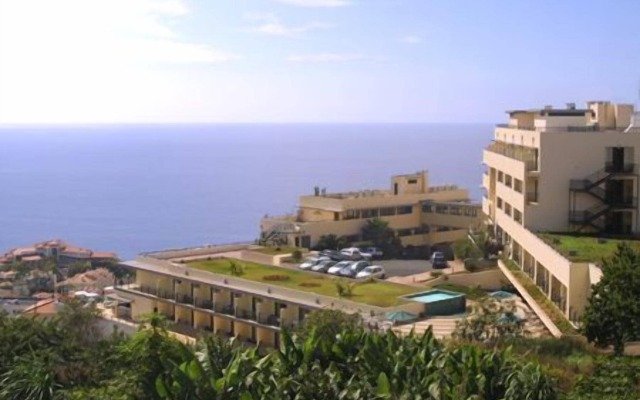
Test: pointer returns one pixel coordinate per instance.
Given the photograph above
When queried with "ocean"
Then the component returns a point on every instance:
(134, 188)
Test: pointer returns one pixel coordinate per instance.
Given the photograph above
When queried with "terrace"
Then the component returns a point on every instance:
(578, 248)
(375, 293)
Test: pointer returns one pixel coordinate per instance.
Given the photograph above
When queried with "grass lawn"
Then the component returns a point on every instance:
(587, 248)
(547, 305)
(472, 293)
(376, 293)
(274, 251)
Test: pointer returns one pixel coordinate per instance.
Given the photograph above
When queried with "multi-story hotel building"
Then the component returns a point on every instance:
(420, 214)
(562, 170)
(252, 310)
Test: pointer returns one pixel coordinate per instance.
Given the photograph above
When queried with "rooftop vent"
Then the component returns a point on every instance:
(571, 106)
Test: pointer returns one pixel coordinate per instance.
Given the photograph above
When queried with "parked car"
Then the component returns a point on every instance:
(354, 254)
(352, 270)
(310, 262)
(338, 267)
(372, 271)
(438, 260)
(332, 254)
(323, 266)
(374, 251)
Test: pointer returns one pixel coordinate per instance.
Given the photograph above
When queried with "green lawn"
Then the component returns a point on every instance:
(376, 293)
(472, 293)
(274, 251)
(586, 248)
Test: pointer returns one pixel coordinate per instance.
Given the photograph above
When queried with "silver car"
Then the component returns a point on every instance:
(323, 266)
(335, 270)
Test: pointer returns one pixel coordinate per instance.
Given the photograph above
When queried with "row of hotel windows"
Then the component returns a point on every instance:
(508, 180)
(509, 210)
(450, 209)
(377, 212)
(421, 230)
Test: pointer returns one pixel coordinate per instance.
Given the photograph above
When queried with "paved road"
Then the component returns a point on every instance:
(404, 267)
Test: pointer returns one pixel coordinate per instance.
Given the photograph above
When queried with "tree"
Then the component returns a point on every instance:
(612, 315)
(378, 232)
(492, 320)
(464, 248)
(78, 267)
(331, 242)
(329, 323)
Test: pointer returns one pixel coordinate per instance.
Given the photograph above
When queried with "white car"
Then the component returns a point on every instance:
(354, 254)
(373, 271)
(335, 270)
(310, 262)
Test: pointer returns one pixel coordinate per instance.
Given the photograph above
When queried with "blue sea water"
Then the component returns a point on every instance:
(134, 188)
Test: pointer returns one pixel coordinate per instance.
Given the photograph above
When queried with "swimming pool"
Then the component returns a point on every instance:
(440, 302)
(435, 295)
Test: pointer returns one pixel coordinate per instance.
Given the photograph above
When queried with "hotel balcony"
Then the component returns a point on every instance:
(227, 311)
(527, 155)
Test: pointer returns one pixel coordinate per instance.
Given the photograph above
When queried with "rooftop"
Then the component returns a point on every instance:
(376, 293)
(585, 248)
(381, 193)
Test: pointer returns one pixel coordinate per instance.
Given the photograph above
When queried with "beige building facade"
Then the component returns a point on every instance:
(195, 301)
(562, 170)
(419, 213)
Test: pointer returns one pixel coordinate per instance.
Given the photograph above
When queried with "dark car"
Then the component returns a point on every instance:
(438, 260)
(332, 254)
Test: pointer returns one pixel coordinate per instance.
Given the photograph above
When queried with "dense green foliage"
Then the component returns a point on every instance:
(330, 357)
(612, 316)
(378, 232)
(331, 242)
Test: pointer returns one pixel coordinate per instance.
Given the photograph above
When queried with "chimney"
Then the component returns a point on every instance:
(571, 106)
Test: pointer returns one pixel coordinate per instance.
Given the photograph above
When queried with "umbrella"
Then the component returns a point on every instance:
(502, 295)
(400, 316)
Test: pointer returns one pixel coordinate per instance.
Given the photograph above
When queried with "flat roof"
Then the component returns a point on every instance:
(554, 112)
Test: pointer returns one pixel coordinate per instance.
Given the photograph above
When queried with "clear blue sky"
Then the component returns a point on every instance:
(310, 60)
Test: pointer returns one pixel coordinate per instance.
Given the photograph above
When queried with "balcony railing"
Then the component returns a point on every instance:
(520, 153)
(569, 128)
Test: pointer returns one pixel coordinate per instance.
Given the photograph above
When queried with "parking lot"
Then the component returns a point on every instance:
(404, 267)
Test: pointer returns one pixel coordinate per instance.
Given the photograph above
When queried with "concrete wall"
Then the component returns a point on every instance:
(197, 251)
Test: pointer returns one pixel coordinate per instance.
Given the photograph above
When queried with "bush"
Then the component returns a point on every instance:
(276, 278)
(436, 274)
(235, 268)
(309, 284)
(471, 264)
(296, 256)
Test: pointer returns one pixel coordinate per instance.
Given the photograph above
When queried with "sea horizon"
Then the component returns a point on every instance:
(133, 188)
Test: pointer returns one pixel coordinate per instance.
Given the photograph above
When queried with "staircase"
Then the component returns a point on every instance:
(594, 217)
(277, 235)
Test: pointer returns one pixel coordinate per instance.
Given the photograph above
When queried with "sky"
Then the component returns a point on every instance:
(260, 61)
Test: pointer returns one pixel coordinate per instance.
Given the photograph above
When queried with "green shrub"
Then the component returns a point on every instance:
(436, 274)
(296, 256)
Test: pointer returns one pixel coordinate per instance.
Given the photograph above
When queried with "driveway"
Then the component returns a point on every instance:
(404, 267)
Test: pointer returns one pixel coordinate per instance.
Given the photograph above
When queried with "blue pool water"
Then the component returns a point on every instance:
(430, 297)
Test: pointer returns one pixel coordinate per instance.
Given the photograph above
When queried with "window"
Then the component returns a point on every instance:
(500, 176)
(517, 185)
(454, 210)
(517, 216)
(427, 207)
(405, 210)
(471, 211)
(404, 232)
(369, 213)
(500, 203)
(421, 230)
(507, 180)
(412, 181)
(385, 212)
(507, 208)
(351, 214)
(441, 209)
